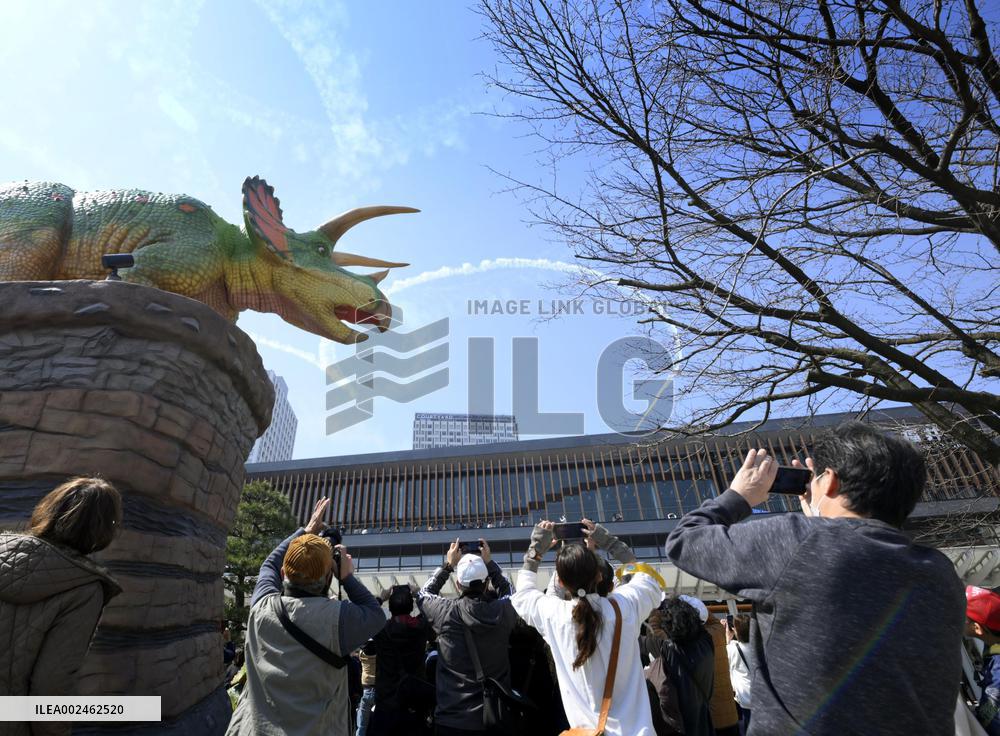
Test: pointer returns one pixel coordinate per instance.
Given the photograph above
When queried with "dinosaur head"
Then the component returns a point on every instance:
(312, 287)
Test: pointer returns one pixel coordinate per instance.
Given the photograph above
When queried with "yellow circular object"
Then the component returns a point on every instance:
(633, 567)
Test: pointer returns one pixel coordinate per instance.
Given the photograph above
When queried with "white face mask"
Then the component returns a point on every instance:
(815, 508)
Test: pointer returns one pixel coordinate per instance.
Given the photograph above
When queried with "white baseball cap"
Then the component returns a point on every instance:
(470, 569)
(697, 605)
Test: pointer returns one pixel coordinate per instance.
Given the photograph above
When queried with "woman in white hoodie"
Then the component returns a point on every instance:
(740, 666)
(580, 633)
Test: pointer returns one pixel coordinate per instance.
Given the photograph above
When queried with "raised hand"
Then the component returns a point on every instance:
(804, 499)
(346, 568)
(754, 479)
(542, 539)
(454, 554)
(316, 523)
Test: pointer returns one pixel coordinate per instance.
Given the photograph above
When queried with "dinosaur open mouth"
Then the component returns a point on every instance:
(381, 316)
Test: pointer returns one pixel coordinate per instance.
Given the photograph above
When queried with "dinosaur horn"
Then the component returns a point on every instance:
(342, 223)
(349, 259)
(378, 275)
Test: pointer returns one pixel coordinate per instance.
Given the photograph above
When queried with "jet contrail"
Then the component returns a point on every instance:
(490, 264)
(324, 352)
(311, 358)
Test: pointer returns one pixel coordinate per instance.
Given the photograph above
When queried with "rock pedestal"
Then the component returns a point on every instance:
(163, 397)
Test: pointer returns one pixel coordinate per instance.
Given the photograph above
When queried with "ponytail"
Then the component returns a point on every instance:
(578, 569)
(588, 628)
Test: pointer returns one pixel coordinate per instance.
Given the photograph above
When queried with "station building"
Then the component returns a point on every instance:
(400, 510)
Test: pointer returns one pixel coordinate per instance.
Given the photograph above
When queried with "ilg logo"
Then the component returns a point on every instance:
(372, 356)
(385, 357)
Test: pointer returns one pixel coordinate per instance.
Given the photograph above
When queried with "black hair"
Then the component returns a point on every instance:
(677, 620)
(578, 569)
(882, 476)
(474, 589)
(741, 625)
(607, 583)
(400, 600)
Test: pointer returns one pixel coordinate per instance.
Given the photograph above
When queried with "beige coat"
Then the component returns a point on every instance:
(51, 599)
(723, 705)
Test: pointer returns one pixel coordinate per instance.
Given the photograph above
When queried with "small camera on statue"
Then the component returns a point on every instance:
(114, 261)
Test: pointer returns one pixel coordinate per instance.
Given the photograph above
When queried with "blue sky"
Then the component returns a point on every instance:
(337, 105)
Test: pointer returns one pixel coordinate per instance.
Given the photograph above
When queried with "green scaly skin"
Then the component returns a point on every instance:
(50, 232)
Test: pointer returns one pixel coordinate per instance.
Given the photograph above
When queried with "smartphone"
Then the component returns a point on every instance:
(794, 481)
(729, 620)
(470, 548)
(572, 530)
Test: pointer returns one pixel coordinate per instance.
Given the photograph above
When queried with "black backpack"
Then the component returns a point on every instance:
(504, 708)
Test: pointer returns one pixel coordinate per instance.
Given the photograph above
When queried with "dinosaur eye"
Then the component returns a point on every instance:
(321, 249)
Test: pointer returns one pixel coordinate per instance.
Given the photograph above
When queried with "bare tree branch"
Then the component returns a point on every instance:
(811, 190)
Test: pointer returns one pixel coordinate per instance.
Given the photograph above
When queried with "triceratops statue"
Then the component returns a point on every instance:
(50, 232)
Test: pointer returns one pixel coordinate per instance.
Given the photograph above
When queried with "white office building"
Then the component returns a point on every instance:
(454, 430)
(278, 442)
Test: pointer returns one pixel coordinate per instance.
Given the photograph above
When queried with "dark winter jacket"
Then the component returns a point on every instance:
(400, 650)
(682, 675)
(51, 598)
(459, 694)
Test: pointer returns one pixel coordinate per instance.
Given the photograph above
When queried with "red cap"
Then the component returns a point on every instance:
(983, 607)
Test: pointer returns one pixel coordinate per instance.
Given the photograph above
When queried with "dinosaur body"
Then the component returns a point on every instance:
(50, 232)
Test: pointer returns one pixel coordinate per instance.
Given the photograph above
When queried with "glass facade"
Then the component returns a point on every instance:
(453, 430)
(606, 478)
(508, 554)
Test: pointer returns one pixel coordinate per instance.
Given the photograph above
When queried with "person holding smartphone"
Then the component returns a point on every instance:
(856, 629)
(595, 537)
(581, 634)
(472, 621)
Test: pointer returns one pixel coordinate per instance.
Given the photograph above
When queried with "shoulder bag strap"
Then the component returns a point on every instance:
(335, 660)
(745, 664)
(609, 683)
(473, 652)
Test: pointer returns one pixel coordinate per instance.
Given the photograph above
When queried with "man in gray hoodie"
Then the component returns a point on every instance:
(489, 620)
(856, 630)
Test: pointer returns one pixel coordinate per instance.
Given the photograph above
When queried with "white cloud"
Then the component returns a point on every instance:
(177, 112)
(40, 155)
(311, 28)
(358, 142)
(314, 359)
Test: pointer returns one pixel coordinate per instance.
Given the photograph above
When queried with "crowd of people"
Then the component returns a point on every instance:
(500, 523)
(852, 628)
